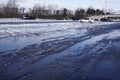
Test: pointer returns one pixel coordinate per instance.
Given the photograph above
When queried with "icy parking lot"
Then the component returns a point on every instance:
(68, 50)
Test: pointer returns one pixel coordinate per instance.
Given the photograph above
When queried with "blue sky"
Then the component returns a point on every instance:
(72, 4)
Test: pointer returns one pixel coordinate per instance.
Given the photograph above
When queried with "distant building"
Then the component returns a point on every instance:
(113, 16)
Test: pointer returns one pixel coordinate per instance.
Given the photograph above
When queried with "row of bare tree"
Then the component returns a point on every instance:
(9, 10)
(12, 10)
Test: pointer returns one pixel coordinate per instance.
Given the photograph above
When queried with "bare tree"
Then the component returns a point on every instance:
(1, 10)
(80, 13)
(11, 9)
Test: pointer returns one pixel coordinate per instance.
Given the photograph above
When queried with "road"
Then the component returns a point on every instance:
(79, 53)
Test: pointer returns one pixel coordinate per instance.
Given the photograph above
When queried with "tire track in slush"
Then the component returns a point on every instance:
(71, 51)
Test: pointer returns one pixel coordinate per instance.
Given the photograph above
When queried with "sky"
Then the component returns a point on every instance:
(72, 4)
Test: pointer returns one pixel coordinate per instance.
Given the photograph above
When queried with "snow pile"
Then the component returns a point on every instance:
(37, 29)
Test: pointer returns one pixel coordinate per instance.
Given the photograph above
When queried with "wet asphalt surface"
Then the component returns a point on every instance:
(93, 56)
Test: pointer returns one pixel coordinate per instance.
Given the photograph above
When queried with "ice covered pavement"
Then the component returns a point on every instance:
(20, 35)
(60, 51)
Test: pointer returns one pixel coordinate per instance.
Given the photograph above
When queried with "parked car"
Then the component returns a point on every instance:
(75, 18)
(96, 19)
(60, 18)
(105, 20)
(86, 20)
(27, 17)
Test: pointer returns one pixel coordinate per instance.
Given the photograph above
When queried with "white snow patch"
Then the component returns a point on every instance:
(113, 35)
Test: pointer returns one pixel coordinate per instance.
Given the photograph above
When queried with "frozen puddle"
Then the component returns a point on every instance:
(17, 44)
